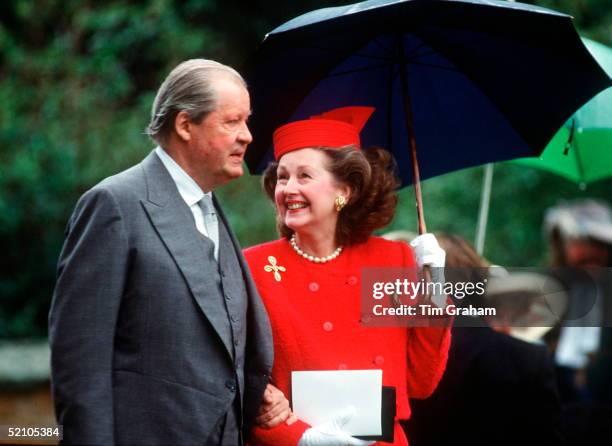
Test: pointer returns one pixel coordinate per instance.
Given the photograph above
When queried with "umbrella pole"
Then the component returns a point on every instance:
(413, 151)
(483, 213)
(417, 184)
(416, 176)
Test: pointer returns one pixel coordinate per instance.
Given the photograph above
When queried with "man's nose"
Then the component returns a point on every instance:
(244, 135)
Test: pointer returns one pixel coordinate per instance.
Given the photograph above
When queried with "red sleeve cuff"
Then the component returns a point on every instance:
(281, 435)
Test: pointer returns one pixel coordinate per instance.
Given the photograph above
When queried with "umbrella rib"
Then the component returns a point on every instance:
(430, 65)
(415, 49)
(413, 54)
(359, 70)
(381, 45)
(392, 64)
(339, 52)
(393, 60)
(378, 43)
(392, 76)
(423, 54)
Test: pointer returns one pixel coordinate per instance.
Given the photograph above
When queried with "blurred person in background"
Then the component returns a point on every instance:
(497, 390)
(580, 240)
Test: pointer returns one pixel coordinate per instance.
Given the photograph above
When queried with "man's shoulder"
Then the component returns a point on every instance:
(519, 358)
(128, 184)
(114, 195)
(125, 181)
(534, 353)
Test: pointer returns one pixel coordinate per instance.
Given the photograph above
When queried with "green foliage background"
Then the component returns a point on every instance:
(77, 79)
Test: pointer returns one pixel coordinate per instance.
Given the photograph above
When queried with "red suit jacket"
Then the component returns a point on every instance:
(314, 311)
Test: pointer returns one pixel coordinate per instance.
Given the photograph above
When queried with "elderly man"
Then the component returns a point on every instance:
(157, 332)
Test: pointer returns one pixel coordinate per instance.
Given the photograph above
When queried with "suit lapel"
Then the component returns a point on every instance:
(174, 223)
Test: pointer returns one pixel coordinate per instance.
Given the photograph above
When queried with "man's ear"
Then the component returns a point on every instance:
(182, 126)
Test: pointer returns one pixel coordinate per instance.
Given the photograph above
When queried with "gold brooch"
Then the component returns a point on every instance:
(273, 267)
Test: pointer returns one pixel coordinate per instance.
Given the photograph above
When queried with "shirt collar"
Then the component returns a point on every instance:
(187, 187)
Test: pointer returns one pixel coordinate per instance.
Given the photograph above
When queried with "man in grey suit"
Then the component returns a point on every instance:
(157, 332)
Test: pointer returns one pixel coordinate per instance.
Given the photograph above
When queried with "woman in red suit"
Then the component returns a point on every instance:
(330, 196)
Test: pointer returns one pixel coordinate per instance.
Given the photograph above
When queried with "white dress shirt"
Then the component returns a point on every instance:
(187, 187)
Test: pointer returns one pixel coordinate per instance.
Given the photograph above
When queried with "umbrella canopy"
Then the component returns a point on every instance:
(581, 151)
(477, 81)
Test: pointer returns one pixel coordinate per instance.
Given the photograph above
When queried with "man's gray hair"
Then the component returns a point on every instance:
(189, 88)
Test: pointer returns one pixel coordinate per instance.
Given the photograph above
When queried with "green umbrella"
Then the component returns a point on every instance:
(581, 151)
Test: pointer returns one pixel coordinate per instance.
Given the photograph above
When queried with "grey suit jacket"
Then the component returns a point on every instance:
(136, 352)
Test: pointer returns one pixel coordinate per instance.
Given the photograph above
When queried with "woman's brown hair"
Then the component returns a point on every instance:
(370, 174)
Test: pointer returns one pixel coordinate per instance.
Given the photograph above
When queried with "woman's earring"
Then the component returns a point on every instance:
(340, 202)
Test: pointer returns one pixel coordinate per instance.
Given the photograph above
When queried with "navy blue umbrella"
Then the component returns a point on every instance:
(464, 81)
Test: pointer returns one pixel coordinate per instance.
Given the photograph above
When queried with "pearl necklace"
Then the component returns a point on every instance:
(312, 258)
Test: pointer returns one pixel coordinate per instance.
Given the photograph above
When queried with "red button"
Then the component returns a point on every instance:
(379, 360)
(342, 366)
(366, 318)
(313, 286)
(352, 280)
(328, 326)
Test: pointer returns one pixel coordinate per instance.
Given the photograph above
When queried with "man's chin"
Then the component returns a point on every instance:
(234, 172)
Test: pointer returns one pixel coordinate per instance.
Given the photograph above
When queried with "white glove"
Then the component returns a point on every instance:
(427, 252)
(330, 433)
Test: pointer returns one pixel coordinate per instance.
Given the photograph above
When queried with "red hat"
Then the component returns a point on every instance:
(336, 128)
